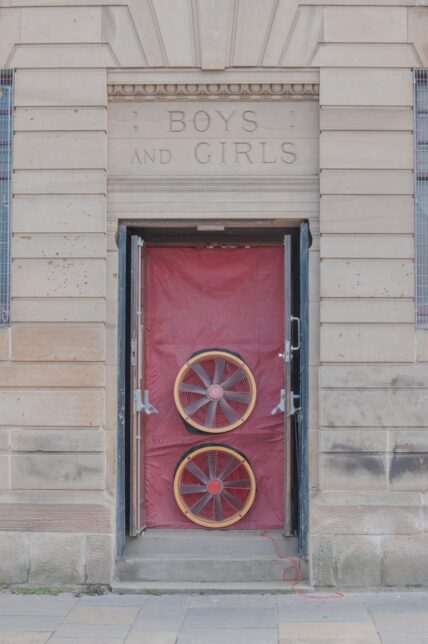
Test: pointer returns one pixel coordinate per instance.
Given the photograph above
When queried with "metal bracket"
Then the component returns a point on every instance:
(281, 405)
(297, 347)
(145, 406)
(293, 408)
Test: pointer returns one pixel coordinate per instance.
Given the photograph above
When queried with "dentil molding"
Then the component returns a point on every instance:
(214, 92)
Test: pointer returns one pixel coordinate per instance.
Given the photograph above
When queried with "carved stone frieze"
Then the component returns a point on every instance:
(214, 92)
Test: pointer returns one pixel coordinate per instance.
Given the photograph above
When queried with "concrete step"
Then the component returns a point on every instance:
(171, 588)
(210, 542)
(187, 568)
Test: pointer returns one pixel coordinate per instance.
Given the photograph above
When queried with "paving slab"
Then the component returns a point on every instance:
(19, 623)
(24, 638)
(152, 637)
(408, 622)
(229, 636)
(102, 615)
(12, 604)
(404, 638)
(73, 640)
(232, 618)
(92, 631)
(322, 631)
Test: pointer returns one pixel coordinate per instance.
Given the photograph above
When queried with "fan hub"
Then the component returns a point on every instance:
(215, 486)
(215, 392)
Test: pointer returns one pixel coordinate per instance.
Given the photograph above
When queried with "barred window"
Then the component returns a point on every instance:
(6, 131)
(421, 194)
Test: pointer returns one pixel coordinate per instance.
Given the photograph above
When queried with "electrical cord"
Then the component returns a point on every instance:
(293, 567)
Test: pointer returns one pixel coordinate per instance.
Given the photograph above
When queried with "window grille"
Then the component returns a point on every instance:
(421, 194)
(6, 132)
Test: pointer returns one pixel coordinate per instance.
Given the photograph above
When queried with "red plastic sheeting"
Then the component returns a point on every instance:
(223, 298)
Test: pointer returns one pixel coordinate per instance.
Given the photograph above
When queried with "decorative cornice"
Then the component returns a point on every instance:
(214, 92)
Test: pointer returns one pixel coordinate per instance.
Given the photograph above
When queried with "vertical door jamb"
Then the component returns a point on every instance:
(137, 518)
(121, 395)
(304, 395)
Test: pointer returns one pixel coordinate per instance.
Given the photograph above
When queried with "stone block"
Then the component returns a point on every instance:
(68, 87)
(62, 342)
(51, 408)
(9, 32)
(57, 559)
(63, 150)
(408, 471)
(366, 150)
(323, 559)
(99, 559)
(33, 119)
(366, 118)
(422, 345)
(367, 278)
(59, 182)
(349, 440)
(366, 182)
(61, 278)
(379, 55)
(353, 471)
(214, 19)
(358, 561)
(14, 550)
(366, 24)
(305, 35)
(367, 343)
(368, 247)
(370, 512)
(417, 29)
(4, 343)
(70, 309)
(4, 471)
(61, 513)
(57, 440)
(51, 375)
(118, 30)
(254, 19)
(51, 471)
(346, 214)
(351, 376)
(408, 440)
(61, 25)
(4, 439)
(374, 408)
(54, 246)
(59, 214)
(405, 560)
(367, 310)
(366, 87)
(44, 56)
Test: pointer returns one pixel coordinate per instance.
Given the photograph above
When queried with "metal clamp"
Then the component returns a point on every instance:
(281, 405)
(293, 408)
(145, 406)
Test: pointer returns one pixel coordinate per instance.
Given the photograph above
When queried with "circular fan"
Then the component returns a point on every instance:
(214, 486)
(215, 391)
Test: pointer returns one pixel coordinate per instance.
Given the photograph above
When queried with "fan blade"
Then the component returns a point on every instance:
(218, 510)
(199, 505)
(234, 502)
(228, 469)
(194, 406)
(219, 368)
(197, 472)
(230, 413)
(192, 389)
(234, 378)
(200, 371)
(193, 489)
(212, 465)
(238, 396)
(239, 484)
(209, 421)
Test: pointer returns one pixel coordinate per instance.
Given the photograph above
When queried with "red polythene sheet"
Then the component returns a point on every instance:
(223, 298)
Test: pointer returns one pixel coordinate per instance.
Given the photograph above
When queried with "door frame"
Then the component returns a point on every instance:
(182, 232)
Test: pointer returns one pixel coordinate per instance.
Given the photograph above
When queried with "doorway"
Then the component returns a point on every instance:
(237, 291)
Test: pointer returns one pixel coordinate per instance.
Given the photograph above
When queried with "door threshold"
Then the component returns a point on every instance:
(207, 588)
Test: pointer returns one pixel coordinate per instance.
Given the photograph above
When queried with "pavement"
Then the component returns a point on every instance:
(354, 618)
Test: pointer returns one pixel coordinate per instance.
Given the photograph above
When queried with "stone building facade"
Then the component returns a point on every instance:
(86, 75)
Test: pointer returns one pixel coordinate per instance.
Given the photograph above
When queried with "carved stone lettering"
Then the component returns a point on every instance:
(237, 135)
